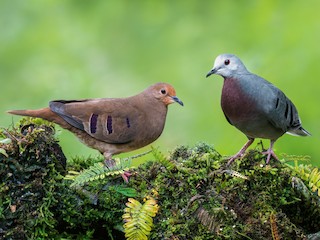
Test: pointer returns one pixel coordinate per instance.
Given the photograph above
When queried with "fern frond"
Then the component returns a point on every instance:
(100, 171)
(206, 219)
(162, 159)
(235, 174)
(138, 218)
(295, 158)
(309, 174)
(314, 181)
(274, 227)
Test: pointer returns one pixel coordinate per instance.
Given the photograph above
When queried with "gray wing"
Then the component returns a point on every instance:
(280, 111)
(284, 114)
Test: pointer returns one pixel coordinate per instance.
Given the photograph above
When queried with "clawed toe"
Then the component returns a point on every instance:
(234, 157)
(241, 152)
(270, 153)
(110, 163)
(126, 175)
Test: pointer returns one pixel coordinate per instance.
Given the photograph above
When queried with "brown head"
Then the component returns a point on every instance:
(164, 92)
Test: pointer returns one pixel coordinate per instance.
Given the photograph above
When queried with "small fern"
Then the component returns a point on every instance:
(314, 180)
(309, 174)
(295, 158)
(162, 159)
(235, 174)
(207, 219)
(138, 218)
(274, 227)
(99, 171)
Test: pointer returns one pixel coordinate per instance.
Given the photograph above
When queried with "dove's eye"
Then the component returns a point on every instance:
(163, 91)
(226, 62)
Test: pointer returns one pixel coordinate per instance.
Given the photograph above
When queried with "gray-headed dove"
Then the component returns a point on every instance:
(255, 106)
(112, 125)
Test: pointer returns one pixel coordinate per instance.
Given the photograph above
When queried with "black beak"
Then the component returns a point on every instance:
(176, 99)
(213, 71)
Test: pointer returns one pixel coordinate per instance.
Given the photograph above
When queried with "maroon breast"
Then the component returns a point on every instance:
(236, 105)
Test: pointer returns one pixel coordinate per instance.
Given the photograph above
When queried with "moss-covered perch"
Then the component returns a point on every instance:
(198, 197)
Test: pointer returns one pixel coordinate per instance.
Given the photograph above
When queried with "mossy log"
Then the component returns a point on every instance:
(198, 196)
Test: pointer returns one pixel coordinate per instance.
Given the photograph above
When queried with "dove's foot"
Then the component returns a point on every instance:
(270, 153)
(126, 175)
(110, 163)
(241, 152)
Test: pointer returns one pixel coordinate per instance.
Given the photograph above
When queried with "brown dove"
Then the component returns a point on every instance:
(112, 125)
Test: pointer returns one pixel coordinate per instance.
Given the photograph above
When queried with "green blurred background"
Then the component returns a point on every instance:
(86, 49)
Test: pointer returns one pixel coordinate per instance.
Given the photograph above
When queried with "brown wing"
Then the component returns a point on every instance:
(109, 120)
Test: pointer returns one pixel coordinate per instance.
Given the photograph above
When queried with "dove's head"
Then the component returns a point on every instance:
(165, 93)
(227, 65)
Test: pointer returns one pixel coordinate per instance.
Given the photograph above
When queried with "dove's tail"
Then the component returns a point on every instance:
(300, 131)
(44, 113)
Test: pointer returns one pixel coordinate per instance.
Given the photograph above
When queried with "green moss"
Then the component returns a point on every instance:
(34, 163)
(35, 200)
(199, 197)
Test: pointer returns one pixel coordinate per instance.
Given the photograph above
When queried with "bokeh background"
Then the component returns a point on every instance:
(87, 49)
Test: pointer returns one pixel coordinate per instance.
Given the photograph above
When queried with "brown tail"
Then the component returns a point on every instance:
(44, 113)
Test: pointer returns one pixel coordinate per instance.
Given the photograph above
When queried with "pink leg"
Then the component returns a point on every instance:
(110, 163)
(241, 152)
(125, 176)
(270, 152)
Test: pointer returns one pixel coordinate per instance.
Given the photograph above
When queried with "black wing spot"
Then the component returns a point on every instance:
(128, 123)
(277, 103)
(286, 111)
(291, 115)
(93, 123)
(109, 124)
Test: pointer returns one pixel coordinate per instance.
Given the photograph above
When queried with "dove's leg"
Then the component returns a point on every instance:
(108, 160)
(110, 163)
(270, 152)
(241, 152)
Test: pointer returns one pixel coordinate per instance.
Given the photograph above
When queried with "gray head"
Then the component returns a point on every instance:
(227, 65)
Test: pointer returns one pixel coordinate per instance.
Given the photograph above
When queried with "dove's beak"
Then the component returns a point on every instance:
(213, 71)
(176, 99)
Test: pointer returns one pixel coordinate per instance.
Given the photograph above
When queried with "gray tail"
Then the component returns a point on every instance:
(300, 131)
